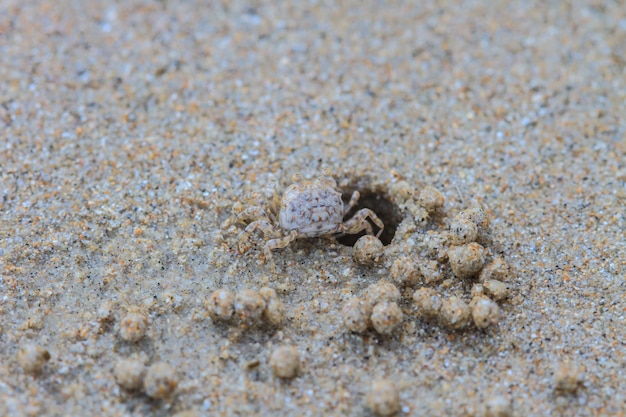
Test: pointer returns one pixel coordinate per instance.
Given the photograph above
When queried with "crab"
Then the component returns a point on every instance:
(307, 209)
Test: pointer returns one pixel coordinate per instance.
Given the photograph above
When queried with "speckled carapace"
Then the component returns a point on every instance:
(307, 209)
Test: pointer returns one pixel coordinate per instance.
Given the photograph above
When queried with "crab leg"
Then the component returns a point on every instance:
(359, 222)
(262, 225)
(353, 200)
(278, 243)
(251, 213)
(245, 216)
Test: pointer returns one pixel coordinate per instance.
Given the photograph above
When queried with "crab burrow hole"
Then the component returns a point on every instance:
(378, 201)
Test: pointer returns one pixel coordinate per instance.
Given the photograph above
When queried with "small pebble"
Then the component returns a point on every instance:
(160, 381)
(32, 358)
(386, 316)
(285, 362)
(404, 272)
(249, 305)
(428, 302)
(498, 290)
(221, 305)
(431, 199)
(356, 315)
(382, 291)
(498, 406)
(455, 313)
(496, 269)
(568, 377)
(467, 260)
(463, 231)
(129, 373)
(485, 312)
(383, 398)
(368, 250)
(430, 271)
(133, 326)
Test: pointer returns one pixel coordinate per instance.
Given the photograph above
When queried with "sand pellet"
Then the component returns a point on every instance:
(383, 397)
(368, 250)
(285, 362)
(386, 317)
(455, 313)
(467, 260)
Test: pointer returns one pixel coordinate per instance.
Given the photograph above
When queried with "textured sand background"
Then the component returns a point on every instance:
(128, 130)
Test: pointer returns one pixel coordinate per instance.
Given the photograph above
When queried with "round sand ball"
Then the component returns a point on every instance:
(498, 406)
(498, 290)
(160, 381)
(221, 305)
(356, 315)
(476, 215)
(267, 293)
(455, 313)
(496, 269)
(249, 305)
(431, 199)
(129, 373)
(485, 312)
(285, 362)
(568, 377)
(477, 290)
(467, 260)
(401, 192)
(428, 302)
(420, 214)
(133, 326)
(368, 250)
(386, 316)
(430, 271)
(32, 358)
(404, 272)
(382, 291)
(463, 231)
(274, 312)
(436, 244)
(383, 398)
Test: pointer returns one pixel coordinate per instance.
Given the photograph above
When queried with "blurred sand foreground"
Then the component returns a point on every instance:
(130, 130)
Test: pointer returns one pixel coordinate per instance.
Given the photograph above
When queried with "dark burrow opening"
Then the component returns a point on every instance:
(379, 202)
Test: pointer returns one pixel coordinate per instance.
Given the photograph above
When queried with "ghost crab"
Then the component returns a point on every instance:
(307, 209)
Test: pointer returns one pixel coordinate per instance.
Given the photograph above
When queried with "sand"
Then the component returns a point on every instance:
(130, 130)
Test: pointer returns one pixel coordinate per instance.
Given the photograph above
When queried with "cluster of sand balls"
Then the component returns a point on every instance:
(378, 308)
(455, 254)
(158, 381)
(248, 305)
(449, 256)
(456, 313)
